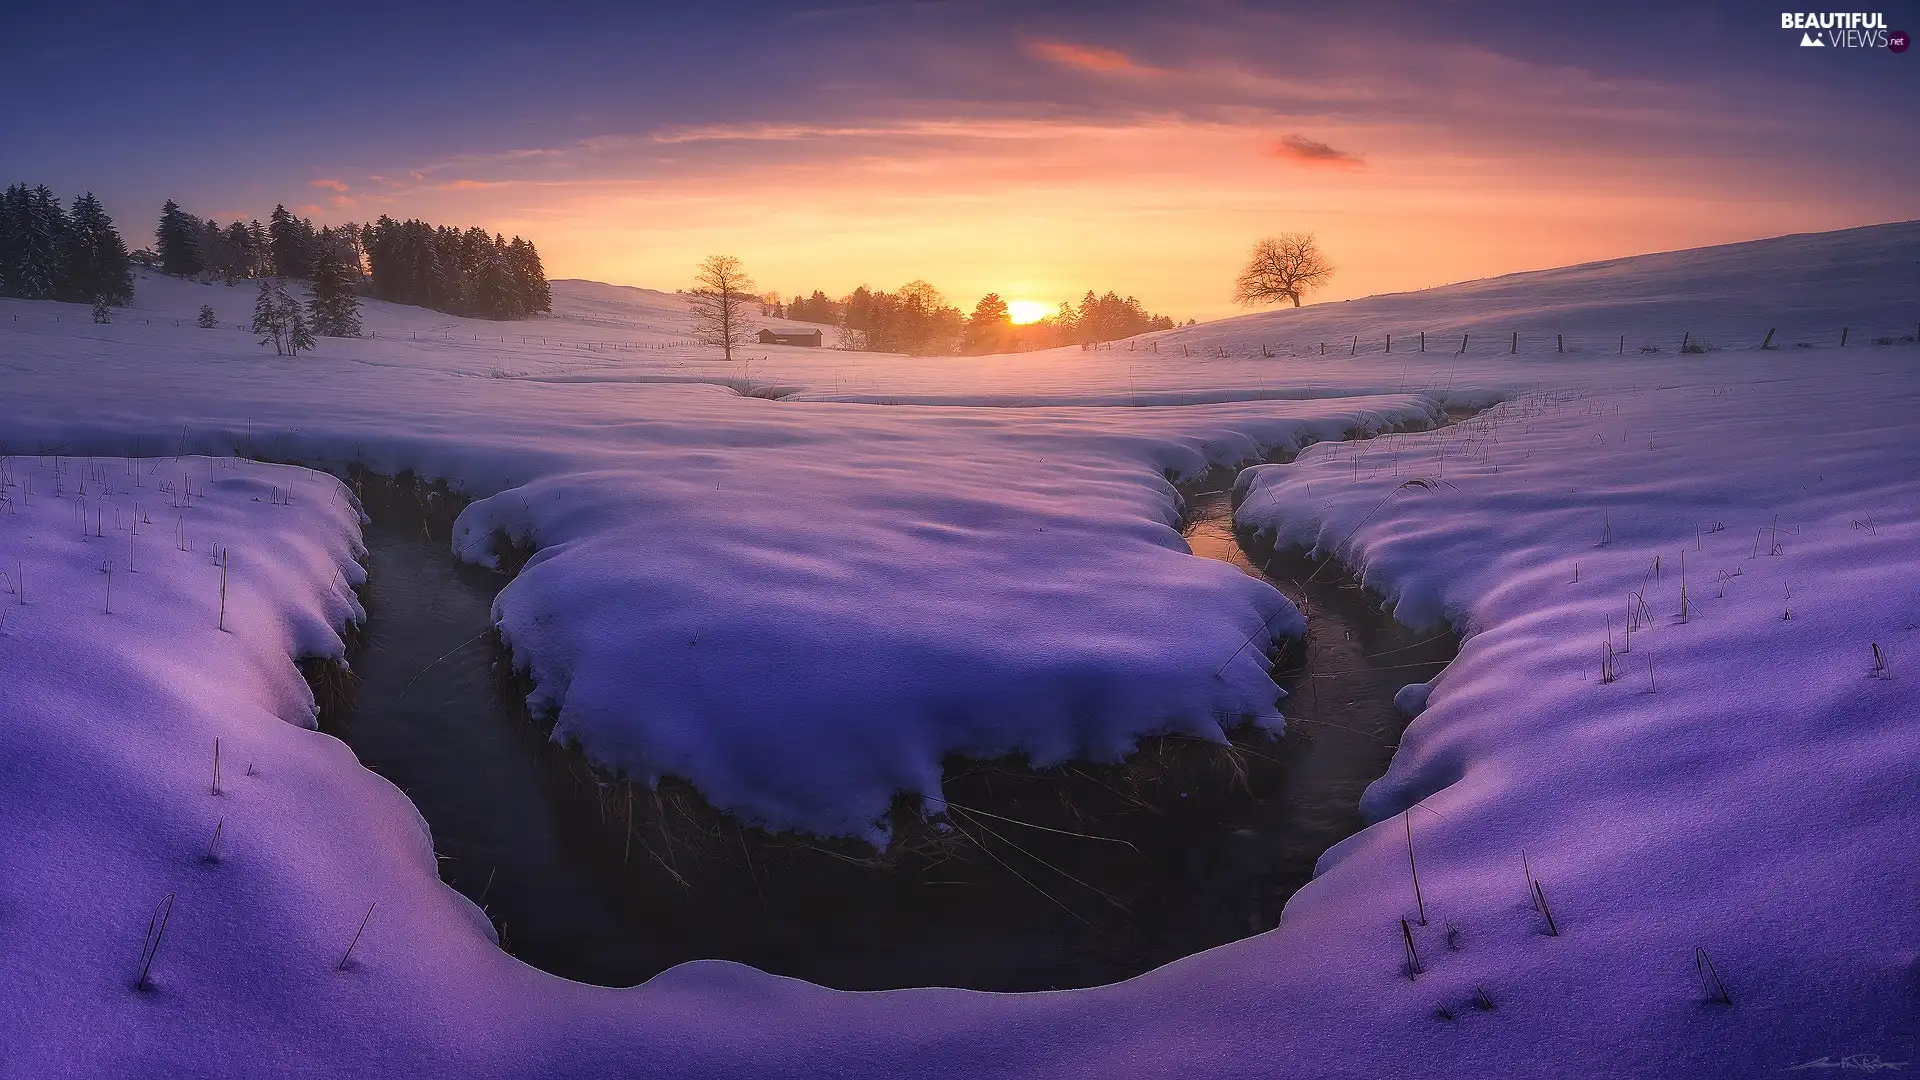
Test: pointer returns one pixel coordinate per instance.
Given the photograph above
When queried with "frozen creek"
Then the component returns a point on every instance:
(1064, 877)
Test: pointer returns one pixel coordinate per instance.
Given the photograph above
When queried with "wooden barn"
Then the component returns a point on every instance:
(810, 338)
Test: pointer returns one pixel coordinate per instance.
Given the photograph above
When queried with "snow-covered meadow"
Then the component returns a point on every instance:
(802, 605)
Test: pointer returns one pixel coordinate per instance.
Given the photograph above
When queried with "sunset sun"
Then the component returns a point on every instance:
(1028, 311)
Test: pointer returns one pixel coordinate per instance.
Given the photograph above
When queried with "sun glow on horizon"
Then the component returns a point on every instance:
(1028, 311)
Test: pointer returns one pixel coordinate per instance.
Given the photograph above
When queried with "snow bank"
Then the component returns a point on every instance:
(867, 575)
(1667, 699)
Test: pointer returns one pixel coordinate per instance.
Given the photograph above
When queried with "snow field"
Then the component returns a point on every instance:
(872, 580)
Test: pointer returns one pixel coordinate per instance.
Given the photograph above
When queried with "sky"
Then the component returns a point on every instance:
(1037, 150)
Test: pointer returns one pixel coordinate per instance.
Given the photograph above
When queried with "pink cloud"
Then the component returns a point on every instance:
(1305, 151)
(1095, 58)
(331, 185)
(467, 185)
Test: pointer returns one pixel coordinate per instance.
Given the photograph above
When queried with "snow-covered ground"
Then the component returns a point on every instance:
(802, 604)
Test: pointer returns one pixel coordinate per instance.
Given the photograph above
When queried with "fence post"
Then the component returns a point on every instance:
(1354, 349)
(1463, 343)
(1843, 336)
(1768, 343)
(1423, 341)
(1515, 347)
(1389, 344)
(1623, 344)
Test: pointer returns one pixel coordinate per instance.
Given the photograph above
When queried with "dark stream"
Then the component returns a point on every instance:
(1216, 847)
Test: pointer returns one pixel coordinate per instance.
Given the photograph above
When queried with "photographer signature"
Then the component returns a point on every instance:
(1852, 1062)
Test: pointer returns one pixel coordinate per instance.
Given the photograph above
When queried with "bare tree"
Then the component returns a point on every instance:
(721, 299)
(1282, 268)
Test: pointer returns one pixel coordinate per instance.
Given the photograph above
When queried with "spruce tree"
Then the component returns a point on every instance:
(270, 315)
(177, 241)
(207, 320)
(102, 311)
(291, 244)
(35, 244)
(334, 307)
(13, 213)
(299, 331)
(97, 261)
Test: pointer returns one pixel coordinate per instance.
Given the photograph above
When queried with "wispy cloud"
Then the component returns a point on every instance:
(1305, 151)
(1095, 58)
(469, 185)
(329, 184)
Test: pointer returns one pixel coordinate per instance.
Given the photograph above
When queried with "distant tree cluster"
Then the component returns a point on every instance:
(461, 273)
(1107, 318)
(286, 246)
(48, 253)
(818, 308)
(917, 319)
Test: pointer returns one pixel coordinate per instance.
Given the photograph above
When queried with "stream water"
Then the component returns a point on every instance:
(1211, 856)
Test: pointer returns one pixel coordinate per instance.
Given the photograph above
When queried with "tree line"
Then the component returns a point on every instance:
(462, 272)
(51, 253)
(917, 319)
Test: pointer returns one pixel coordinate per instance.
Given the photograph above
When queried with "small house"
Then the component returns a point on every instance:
(809, 338)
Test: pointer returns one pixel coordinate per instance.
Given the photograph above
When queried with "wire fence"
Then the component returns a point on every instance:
(1515, 342)
(440, 334)
(1350, 344)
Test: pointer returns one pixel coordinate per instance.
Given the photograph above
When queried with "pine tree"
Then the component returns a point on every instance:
(299, 331)
(530, 278)
(102, 311)
(334, 307)
(35, 245)
(270, 315)
(177, 241)
(97, 261)
(291, 243)
(989, 328)
(207, 319)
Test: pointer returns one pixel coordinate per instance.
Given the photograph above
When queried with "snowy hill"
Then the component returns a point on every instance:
(801, 607)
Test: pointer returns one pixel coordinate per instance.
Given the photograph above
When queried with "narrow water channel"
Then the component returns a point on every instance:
(1213, 845)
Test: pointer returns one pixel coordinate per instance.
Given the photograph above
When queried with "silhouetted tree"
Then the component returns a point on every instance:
(1282, 267)
(291, 241)
(177, 241)
(207, 320)
(989, 328)
(97, 262)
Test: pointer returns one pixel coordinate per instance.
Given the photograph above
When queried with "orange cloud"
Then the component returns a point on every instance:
(1305, 151)
(331, 185)
(341, 201)
(1095, 58)
(466, 185)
